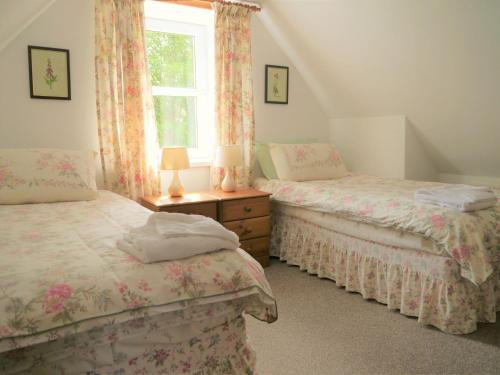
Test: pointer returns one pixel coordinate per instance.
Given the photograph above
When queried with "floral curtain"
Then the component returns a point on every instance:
(234, 122)
(125, 114)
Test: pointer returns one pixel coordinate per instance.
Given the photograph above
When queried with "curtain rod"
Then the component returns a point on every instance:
(207, 3)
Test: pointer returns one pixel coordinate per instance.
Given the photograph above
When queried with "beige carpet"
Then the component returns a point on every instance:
(322, 329)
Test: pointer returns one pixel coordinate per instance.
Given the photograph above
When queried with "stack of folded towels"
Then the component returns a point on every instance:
(458, 197)
(169, 236)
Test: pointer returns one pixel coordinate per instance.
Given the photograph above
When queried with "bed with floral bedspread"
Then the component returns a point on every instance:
(452, 282)
(71, 302)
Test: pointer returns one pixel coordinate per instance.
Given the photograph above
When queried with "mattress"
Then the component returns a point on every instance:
(369, 232)
(61, 273)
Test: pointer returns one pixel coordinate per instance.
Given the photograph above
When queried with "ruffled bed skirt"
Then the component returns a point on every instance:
(416, 283)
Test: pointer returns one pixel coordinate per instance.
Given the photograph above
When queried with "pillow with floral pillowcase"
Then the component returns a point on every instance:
(306, 162)
(265, 160)
(46, 175)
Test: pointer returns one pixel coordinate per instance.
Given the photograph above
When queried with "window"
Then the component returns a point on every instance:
(180, 50)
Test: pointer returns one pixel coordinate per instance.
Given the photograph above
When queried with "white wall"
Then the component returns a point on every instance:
(418, 163)
(303, 117)
(382, 146)
(371, 145)
(26, 122)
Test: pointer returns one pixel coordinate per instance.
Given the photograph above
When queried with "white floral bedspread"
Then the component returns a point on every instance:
(472, 239)
(60, 266)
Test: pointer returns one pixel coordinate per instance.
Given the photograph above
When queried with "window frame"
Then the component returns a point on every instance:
(198, 23)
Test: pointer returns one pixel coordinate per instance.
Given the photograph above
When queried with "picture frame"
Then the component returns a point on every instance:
(49, 73)
(276, 84)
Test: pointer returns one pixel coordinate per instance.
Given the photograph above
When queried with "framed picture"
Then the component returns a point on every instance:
(276, 84)
(49, 73)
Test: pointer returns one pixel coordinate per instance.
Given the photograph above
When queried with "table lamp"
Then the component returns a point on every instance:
(227, 157)
(173, 159)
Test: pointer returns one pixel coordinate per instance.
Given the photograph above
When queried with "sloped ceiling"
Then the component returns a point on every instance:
(16, 15)
(437, 62)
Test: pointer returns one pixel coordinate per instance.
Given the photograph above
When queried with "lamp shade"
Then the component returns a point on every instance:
(174, 158)
(228, 156)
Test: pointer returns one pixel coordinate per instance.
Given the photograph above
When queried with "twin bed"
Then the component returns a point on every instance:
(71, 302)
(369, 235)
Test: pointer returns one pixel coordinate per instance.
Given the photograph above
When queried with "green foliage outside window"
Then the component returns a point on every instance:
(172, 63)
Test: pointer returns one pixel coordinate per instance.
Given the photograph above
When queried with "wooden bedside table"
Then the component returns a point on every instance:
(198, 203)
(246, 212)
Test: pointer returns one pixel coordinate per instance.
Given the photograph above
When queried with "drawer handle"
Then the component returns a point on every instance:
(247, 209)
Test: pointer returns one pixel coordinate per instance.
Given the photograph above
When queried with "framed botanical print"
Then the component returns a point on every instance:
(276, 84)
(49, 73)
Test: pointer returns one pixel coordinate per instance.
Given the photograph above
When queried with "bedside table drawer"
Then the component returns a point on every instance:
(258, 247)
(250, 228)
(208, 209)
(245, 208)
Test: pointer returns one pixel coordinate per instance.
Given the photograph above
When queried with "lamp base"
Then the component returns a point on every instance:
(228, 184)
(176, 189)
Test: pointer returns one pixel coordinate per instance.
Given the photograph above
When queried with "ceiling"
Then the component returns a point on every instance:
(16, 15)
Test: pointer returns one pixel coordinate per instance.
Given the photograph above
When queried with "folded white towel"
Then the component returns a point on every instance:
(169, 236)
(458, 197)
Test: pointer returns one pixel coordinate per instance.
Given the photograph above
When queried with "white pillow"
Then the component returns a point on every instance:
(46, 175)
(305, 162)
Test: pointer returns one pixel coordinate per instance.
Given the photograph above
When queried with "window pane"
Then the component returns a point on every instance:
(176, 120)
(171, 59)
